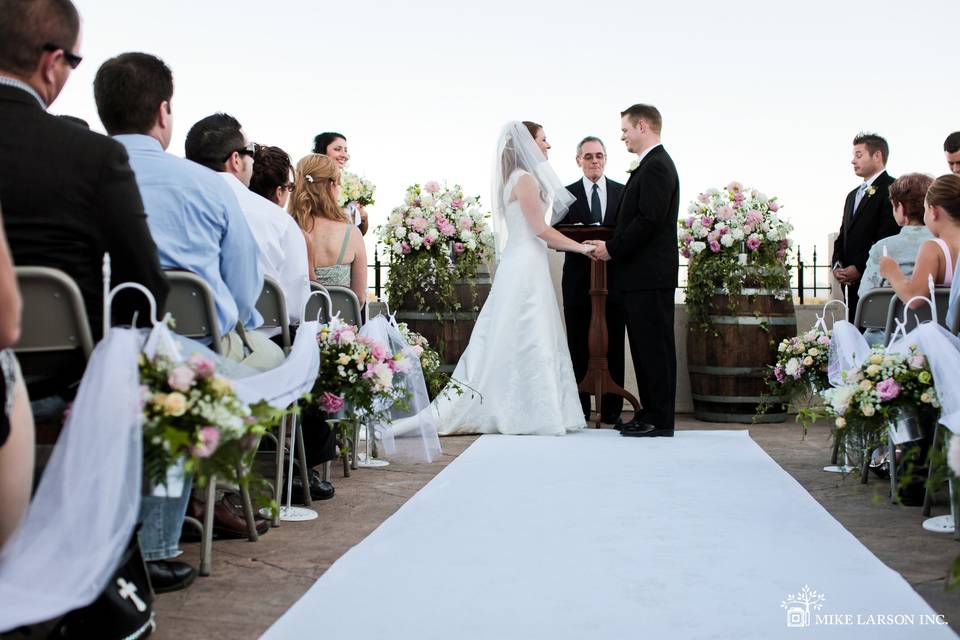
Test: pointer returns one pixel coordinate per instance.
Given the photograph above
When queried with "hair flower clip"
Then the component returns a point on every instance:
(308, 178)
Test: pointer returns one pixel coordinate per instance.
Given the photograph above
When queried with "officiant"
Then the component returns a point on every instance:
(597, 200)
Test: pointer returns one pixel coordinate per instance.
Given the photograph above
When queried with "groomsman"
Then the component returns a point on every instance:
(598, 198)
(644, 262)
(951, 149)
(867, 215)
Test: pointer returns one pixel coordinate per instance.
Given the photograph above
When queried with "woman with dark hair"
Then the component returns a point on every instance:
(334, 145)
(272, 175)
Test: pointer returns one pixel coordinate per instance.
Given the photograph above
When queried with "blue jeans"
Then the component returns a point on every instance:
(162, 520)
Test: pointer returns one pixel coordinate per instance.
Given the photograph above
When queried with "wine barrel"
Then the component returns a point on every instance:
(446, 330)
(728, 363)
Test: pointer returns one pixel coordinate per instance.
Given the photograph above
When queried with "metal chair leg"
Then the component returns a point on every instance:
(836, 448)
(325, 474)
(206, 544)
(865, 465)
(353, 449)
(892, 465)
(247, 506)
(927, 492)
(302, 460)
(278, 480)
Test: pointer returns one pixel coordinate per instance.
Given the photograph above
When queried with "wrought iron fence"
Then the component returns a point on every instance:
(808, 277)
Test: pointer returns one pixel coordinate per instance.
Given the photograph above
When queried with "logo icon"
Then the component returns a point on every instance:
(798, 606)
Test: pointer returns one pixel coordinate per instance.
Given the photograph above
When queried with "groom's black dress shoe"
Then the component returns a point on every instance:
(637, 429)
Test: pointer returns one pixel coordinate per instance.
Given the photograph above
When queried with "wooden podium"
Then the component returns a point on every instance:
(597, 380)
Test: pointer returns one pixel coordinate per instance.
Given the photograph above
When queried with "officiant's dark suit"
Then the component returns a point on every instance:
(872, 221)
(576, 292)
(643, 279)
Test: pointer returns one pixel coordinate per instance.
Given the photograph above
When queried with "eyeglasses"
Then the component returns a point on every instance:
(72, 59)
(249, 150)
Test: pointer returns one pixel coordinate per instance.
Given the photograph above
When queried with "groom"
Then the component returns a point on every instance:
(643, 271)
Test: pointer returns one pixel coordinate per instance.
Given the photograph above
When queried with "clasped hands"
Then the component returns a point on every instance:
(846, 275)
(599, 251)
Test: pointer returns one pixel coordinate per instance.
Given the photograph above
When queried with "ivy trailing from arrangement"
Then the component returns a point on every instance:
(733, 239)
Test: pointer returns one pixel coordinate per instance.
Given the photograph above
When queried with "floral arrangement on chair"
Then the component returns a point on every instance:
(436, 237)
(730, 235)
(353, 188)
(876, 392)
(192, 413)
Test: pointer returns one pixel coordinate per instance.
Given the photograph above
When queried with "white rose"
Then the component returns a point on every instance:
(807, 361)
(793, 365)
(471, 245)
(737, 234)
(399, 232)
(467, 236)
(426, 200)
(698, 246)
(432, 233)
(867, 409)
(726, 240)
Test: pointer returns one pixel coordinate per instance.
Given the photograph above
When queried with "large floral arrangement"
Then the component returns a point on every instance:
(730, 236)
(356, 373)
(353, 188)
(875, 393)
(799, 372)
(192, 413)
(437, 237)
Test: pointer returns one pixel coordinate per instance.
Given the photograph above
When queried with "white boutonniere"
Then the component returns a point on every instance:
(633, 165)
(871, 190)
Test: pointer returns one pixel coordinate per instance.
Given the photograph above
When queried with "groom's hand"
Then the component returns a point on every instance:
(601, 251)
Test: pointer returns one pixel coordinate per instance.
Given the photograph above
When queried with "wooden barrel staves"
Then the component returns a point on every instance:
(729, 363)
(448, 329)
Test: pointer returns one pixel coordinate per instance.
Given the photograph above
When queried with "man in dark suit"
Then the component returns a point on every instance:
(68, 194)
(597, 200)
(867, 215)
(644, 262)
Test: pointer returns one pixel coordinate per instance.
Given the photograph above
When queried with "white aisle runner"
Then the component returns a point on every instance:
(595, 536)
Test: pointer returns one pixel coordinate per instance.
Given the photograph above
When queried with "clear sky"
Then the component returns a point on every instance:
(767, 93)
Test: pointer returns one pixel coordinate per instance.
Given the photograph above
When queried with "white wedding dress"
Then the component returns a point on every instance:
(517, 360)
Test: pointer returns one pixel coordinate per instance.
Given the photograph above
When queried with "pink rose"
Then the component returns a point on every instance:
(725, 212)
(706, 221)
(703, 198)
(203, 367)
(209, 441)
(405, 247)
(447, 229)
(773, 206)
(690, 221)
(754, 216)
(330, 402)
(685, 253)
(753, 244)
(778, 373)
(465, 223)
(734, 187)
(432, 187)
(738, 198)
(714, 246)
(457, 203)
(748, 228)
(378, 351)
(781, 253)
(428, 242)
(459, 247)
(181, 378)
(888, 389)
(419, 224)
(916, 362)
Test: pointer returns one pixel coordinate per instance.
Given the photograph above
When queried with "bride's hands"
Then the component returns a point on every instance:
(587, 250)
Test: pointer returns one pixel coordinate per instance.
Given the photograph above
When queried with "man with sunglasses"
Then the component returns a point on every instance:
(219, 143)
(68, 194)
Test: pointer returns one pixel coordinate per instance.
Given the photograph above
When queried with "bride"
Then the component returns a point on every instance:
(517, 365)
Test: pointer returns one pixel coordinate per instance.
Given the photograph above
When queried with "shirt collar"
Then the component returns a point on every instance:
(601, 184)
(644, 154)
(23, 86)
(873, 177)
(138, 141)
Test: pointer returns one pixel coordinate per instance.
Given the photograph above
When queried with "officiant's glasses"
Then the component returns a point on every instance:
(72, 59)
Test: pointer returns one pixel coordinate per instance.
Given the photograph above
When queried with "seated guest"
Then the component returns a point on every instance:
(936, 257)
(16, 422)
(272, 175)
(68, 193)
(337, 255)
(198, 226)
(334, 145)
(951, 149)
(283, 252)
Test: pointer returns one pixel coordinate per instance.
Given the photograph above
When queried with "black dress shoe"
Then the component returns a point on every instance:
(632, 425)
(646, 431)
(168, 575)
(319, 489)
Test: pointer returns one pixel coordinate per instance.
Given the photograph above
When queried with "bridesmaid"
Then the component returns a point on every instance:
(334, 145)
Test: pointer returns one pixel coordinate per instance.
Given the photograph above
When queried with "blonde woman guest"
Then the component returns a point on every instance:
(335, 250)
(16, 421)
(936, 257)
(334, 145)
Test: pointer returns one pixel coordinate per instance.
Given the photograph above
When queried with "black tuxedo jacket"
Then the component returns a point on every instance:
(576, 268)
(644, 244)
(68, 195)
(872, 221)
